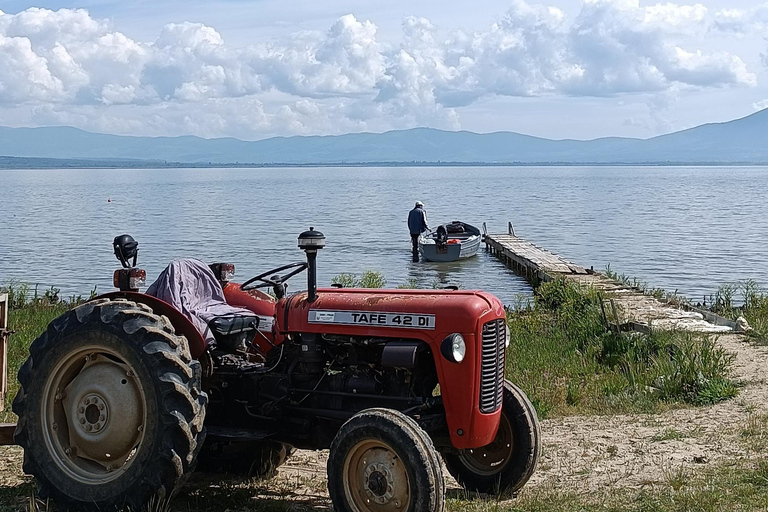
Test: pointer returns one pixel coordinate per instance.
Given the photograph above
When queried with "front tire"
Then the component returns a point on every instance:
(381, 460)
(506, 464)
(110, 408)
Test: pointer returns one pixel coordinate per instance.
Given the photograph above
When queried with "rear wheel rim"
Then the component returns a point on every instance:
(93, 413)
(493, 458)
(375, 478)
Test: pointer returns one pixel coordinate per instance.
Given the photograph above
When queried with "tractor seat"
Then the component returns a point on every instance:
(233, 324)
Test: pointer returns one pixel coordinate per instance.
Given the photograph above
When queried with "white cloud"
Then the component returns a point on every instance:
(67, 67)
(742, 21)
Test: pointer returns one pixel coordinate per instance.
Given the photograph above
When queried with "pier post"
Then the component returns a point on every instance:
(3, 349)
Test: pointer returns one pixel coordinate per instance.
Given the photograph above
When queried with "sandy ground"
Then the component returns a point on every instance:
(587, 453)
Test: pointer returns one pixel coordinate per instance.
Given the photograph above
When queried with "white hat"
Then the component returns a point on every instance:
(419, 204)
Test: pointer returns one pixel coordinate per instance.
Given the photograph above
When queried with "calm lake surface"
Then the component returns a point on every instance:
(683, 228)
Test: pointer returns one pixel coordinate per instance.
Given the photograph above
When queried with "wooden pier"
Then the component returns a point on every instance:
(527, 259)
(626, 307)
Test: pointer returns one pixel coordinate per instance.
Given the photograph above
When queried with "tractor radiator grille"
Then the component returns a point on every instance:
(492, 374)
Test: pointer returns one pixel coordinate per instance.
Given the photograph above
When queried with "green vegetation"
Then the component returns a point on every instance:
(746, 299)
(672, 434)
(563, 355)
(30, 314)
(368, 279)
(754, 435)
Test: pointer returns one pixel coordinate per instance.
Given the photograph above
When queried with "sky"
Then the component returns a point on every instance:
(264, 68)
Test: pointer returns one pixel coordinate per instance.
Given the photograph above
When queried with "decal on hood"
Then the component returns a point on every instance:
(372, 318)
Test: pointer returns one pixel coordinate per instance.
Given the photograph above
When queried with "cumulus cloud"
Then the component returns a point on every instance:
(67, 67)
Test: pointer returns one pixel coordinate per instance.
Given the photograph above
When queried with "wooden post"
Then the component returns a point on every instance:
(3, 349)
(511, 229)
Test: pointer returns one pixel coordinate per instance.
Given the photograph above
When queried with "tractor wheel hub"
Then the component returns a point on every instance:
(379, 483)
(92, 414)
(105, 411)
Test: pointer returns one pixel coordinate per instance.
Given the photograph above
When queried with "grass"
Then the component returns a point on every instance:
(672, 434)
(29, 315)
(564, 357)
(368, 279)
(743, 299)
(754, 435)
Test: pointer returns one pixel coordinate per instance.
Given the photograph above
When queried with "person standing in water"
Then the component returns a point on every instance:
(417, 224)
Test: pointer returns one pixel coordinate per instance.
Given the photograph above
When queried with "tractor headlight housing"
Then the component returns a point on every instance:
(454, 348)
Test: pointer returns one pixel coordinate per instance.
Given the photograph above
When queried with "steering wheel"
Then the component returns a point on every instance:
(276, 281)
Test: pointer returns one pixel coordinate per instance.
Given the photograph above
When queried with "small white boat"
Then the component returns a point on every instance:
(450, 242)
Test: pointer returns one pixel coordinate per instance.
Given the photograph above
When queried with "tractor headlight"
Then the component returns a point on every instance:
(506, 335)
(454, 348)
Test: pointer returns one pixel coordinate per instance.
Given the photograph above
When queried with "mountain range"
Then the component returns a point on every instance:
(740, 141)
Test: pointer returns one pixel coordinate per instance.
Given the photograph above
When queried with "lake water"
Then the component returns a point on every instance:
(684, 228)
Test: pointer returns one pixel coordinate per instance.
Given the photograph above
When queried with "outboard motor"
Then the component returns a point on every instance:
(441, 237)
(129, 278)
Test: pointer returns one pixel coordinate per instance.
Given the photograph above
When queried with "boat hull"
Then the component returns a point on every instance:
(452, 252)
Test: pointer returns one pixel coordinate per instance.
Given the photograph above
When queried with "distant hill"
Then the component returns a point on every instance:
(739, 141)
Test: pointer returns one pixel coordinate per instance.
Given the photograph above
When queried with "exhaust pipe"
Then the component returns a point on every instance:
(310, 242)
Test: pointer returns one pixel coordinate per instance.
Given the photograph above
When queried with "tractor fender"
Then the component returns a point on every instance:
(181, 323)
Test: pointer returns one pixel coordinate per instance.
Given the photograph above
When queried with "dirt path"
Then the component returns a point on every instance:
(589, 452)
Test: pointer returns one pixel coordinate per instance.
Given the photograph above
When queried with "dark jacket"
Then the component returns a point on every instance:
(417, 221)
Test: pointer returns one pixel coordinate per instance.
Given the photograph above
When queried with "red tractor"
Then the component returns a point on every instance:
(124, 396)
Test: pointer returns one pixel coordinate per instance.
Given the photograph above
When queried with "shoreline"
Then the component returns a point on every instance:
(77, 164)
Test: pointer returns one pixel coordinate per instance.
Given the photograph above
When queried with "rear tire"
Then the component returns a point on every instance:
(506, 464)
(381, 460)
(110, 408)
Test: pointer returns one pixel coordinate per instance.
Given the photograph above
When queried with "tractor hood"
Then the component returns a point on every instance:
(418, 314)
